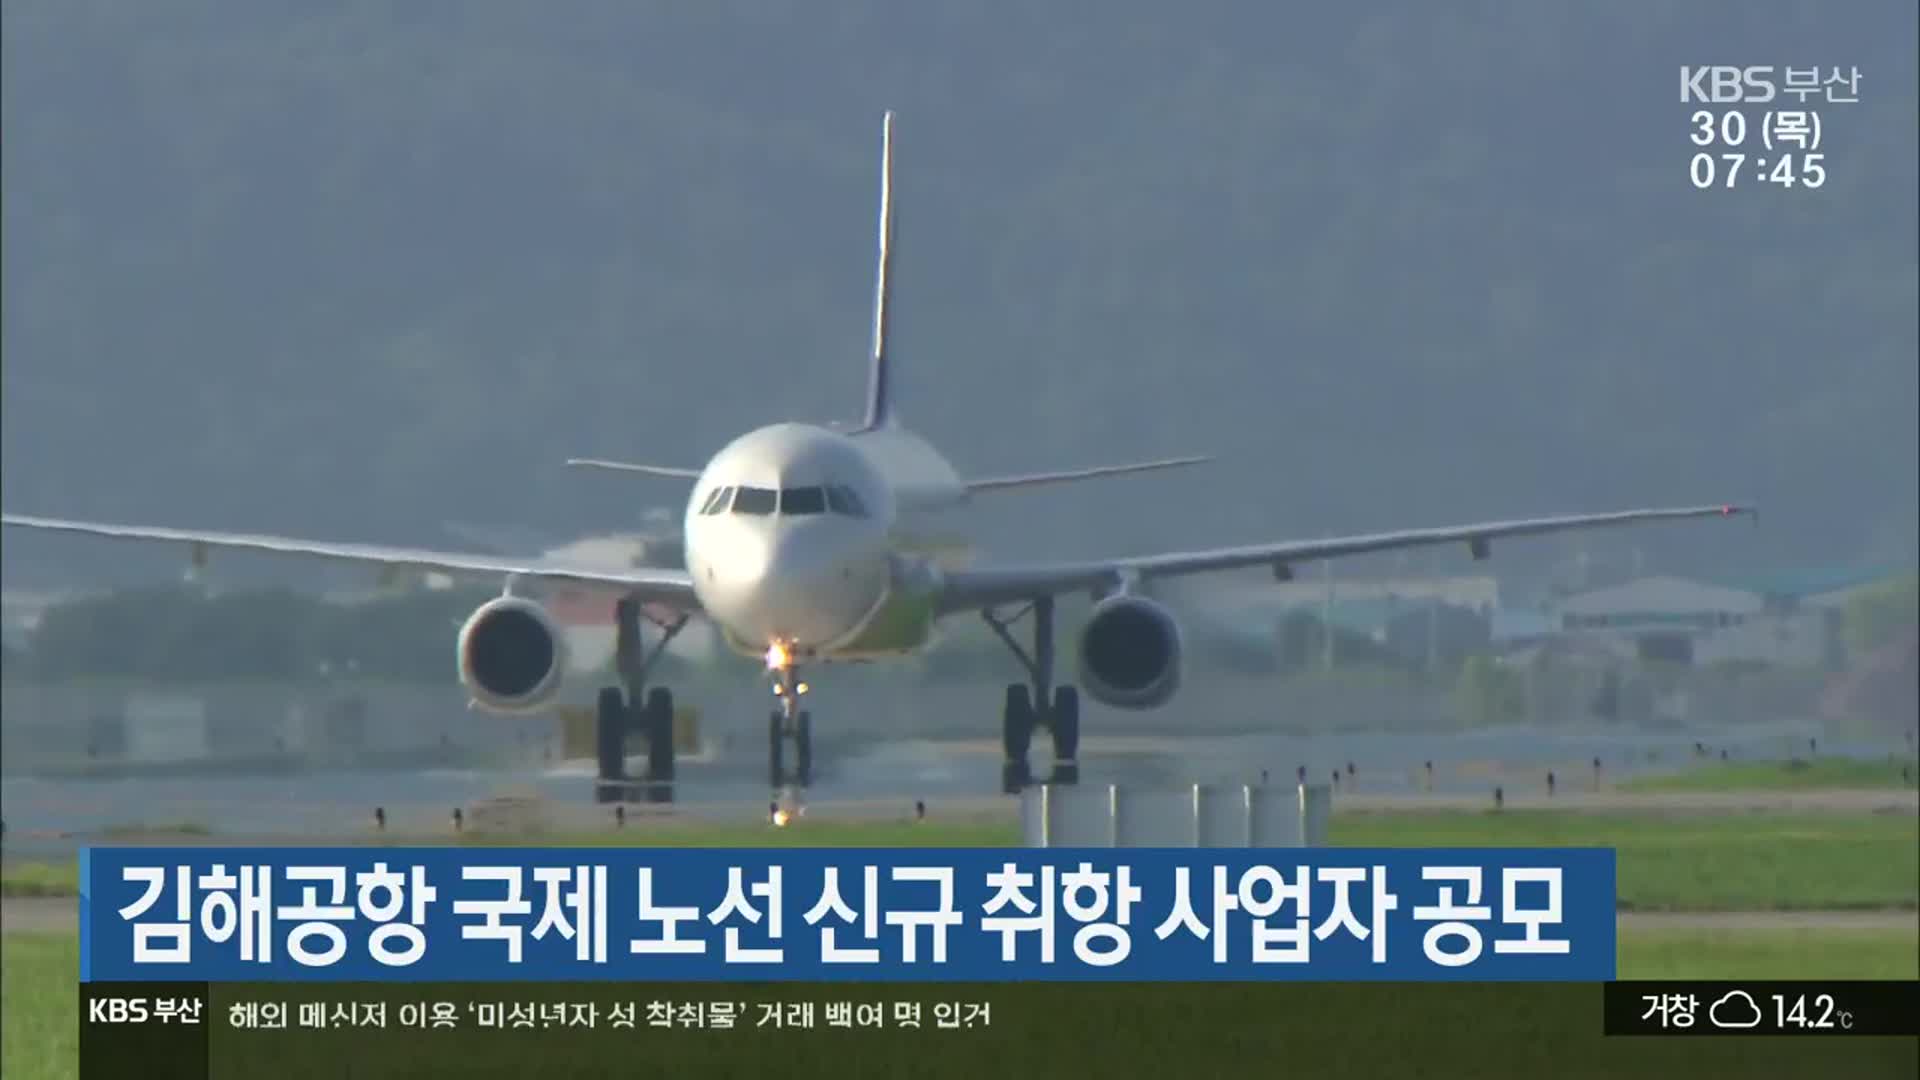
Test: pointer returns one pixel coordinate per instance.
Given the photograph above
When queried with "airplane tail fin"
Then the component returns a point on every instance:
(879, 391)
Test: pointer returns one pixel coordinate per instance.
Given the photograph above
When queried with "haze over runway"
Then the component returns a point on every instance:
(885, 777)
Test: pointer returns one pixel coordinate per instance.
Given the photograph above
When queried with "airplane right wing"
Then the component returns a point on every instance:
(626, 466)
(665, 587)
(973, 589)
(999, 483)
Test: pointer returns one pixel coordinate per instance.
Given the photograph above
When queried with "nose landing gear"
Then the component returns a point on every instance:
(788, 721)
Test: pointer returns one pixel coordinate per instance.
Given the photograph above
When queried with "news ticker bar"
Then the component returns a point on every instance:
(1763, 1008)
(124, 1016)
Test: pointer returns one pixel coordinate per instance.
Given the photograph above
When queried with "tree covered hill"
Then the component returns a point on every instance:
(356, 269)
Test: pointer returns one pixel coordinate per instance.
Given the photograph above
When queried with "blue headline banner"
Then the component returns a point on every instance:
(959, 915)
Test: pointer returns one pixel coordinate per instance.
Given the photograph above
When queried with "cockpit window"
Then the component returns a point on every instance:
(803, 500)
(755, 500)
(799, 501)
(843, 501)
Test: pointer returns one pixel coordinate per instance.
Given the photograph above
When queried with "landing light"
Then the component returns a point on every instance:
(801, 688)
(780, 819)
(776, 656)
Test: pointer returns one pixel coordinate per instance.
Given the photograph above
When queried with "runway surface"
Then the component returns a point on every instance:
(884, 776)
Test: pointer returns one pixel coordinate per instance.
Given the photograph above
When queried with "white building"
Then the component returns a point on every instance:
(1659, 603)
(1694, 622)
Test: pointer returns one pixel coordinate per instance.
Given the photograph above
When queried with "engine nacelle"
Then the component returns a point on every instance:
(1130, 653)
(513, 655)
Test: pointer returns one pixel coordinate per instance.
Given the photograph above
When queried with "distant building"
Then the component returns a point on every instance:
(1824, 589)
(1658, 603)
(1789, 619)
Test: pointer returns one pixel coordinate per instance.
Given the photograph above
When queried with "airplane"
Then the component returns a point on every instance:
(800, 546)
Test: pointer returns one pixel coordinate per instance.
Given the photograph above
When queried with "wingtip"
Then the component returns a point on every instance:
(1190, 459)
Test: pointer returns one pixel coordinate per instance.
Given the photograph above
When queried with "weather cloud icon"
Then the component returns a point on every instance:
(1735, 1010)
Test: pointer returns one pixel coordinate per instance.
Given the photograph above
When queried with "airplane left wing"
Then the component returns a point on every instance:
(964, 590)
(668, 588)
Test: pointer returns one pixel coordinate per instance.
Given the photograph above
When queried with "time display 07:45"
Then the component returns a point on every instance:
(1785, 170)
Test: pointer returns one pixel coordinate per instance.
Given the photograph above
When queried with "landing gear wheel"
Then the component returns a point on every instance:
(1066, 735)
(657, 721)
(1015, 777)
(610, 743)
(1016, 736)
(776, 751)
(1017, 722)
(803, 749)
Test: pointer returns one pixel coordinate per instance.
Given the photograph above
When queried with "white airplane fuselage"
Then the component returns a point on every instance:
(781, 556)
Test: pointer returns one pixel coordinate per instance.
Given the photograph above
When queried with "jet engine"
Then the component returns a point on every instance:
(513, 655)
(1130, 653)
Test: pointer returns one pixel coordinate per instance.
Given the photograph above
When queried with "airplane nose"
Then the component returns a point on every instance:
(790, 566)
(750, 563)
(795, 586)
(764, 563)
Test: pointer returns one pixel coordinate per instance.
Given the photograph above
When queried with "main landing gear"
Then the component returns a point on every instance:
(1037, 703)
(789, 721)
(637, 708)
